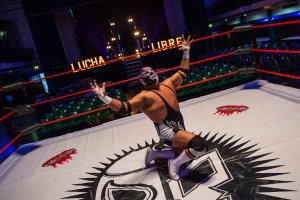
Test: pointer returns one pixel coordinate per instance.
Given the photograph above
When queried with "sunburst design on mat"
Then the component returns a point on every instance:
(249, 178)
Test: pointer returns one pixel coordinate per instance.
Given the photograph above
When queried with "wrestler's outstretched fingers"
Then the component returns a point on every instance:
(92, 86)
(96, 84)
(182, 39)
(96, 89)
(188, 39)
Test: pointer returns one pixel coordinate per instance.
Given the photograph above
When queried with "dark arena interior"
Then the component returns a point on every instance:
(62, 139)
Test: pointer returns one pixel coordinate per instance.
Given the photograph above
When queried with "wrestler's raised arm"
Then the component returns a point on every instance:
(182, 73)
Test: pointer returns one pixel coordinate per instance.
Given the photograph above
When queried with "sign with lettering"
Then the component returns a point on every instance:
(167, 44)
(87, 64)
(99, 61)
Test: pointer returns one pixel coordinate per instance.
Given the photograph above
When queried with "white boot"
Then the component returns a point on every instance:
(174, 165)
(152, 154)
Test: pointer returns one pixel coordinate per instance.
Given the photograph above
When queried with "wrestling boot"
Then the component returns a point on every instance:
(175, 163)
(152, 154)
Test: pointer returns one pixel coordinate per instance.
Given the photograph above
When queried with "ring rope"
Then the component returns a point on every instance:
(166, 70)
(130, 56)
(148, 52)
(208, 79)
(106, 107)
(278, 74)
(7, 115)
(131, 79)
(165, 48)
(277, 24)
(275, 51)
(12, 141)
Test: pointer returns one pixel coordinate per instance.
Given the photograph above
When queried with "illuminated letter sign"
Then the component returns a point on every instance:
(87, 64)
(165, 44)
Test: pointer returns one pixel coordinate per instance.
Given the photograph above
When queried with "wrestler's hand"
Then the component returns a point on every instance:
(99, 91)
(185, 44)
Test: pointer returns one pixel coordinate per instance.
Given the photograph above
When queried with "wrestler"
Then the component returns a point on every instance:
(158, 101)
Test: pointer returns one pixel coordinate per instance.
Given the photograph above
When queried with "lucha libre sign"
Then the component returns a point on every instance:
(99, 61)
(229, 170)
(87, 64)
(167, 44)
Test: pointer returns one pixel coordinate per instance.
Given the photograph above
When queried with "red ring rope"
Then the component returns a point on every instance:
(278, 74)
(164, 48)
(7, 115)
(12, 141)
(277, 24)
(106, 107)
(209, 79)
(275, 51)
(131, 79)
(131, 56)
(144, 53)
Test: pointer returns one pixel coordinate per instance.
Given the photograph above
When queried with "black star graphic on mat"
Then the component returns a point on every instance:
(241, 175)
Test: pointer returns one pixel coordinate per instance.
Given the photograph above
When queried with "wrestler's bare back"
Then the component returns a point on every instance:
(153, 106)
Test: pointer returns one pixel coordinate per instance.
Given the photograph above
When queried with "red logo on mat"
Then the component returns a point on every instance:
(230, 109)
(60, 159)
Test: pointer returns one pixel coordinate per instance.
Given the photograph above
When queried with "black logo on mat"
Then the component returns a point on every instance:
(231, 169)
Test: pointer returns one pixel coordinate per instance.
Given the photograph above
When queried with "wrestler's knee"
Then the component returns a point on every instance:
(197, 146)
(181, 140)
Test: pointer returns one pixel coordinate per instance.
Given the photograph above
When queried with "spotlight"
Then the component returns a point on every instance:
(130, 20)
(144, 38)
(136, 50)
(136, 33)
(113, 39)
(108, 47)
(112, 23)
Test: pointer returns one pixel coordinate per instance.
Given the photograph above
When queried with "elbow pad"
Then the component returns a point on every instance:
(123, 109)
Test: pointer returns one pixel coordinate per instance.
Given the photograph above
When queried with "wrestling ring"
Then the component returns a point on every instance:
(252, 129)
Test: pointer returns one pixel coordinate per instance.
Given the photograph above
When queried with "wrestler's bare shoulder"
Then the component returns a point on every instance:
(144, 94)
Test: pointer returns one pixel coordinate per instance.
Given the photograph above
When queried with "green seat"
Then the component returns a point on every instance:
(46, 128)
(89, 118)
(245, 76)
(59, 126)
(183, 92)
(234, 78)
(221, 81)
(208, 84)
(76, 121)
(197, 87)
